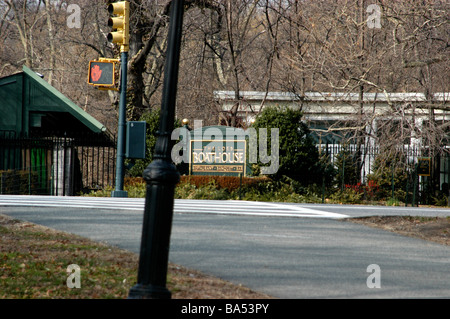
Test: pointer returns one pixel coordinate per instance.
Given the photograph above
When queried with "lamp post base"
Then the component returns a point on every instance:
(149, 292)
(119, 194)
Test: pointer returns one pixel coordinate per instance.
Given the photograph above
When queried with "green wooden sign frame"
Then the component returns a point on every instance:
(218, 157)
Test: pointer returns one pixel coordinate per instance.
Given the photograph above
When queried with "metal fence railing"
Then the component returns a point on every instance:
(55, 166)
(395, 173)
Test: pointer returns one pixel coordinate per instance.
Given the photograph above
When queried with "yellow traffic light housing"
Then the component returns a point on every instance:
(120, 23)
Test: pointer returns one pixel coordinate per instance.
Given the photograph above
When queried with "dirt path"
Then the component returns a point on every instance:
(436, 229)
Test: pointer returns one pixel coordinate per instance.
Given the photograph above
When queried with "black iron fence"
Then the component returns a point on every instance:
(56, 165)
(69, 166)
(409, 174)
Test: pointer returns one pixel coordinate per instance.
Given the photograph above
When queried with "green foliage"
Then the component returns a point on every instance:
(393, 202)
(328, 172)
(252, 189)
(208, 191)
(388, 175)
(231, 183)
(441, 200)
(260, 189)
(135, 187)
(299, 157)
(106, 192)
(369, 190)
(20, 183)
(346, 196)
(347, 167)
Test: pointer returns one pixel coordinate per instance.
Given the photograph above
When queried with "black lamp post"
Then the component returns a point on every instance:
(161, 177)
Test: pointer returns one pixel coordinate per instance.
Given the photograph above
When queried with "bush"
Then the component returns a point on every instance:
(369, 191)
(227, 188)
(252, 189)
(208, 191)
(20, 182)
(387, 171)
(347, 196)
(231, 183)
(441, 200)
(393, 202)
(106, 192)
(214, 187)
(135, 186)
(348, 167)
(298, 155)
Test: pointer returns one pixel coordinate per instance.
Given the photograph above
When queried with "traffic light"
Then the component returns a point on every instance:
(102, 73)
(119, 22)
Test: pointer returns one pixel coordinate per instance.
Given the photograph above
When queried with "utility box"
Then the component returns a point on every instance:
(136, 140)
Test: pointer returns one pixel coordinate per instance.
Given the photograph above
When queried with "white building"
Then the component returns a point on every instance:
(331, 115)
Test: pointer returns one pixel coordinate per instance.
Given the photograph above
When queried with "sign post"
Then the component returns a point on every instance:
(119, 191)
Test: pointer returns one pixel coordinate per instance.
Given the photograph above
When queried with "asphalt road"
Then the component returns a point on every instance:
(286, 257)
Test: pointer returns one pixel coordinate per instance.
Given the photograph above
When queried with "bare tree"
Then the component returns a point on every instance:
(25, 16)
(261, 45)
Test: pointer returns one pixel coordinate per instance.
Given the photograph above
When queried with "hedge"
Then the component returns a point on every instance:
(231, 183)
(19, 182)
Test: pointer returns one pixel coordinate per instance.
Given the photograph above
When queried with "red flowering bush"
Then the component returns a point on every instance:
(370, 190)
(230, 183)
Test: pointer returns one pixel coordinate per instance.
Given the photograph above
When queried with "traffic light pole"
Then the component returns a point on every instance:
(119, 21)
(161, 177)
(120, 156)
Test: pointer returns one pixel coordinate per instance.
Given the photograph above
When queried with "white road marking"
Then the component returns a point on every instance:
(182, 206)
(275, 236)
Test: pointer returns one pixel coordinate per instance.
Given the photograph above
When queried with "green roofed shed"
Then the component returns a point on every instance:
(48, 144)
(29, 105)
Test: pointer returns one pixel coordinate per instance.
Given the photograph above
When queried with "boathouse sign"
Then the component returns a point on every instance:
(218, 150)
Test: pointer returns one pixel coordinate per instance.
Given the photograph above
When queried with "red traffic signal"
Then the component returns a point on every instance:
(101, 73)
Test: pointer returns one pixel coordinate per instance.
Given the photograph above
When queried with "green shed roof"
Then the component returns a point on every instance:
(62, 103)
(28, 102)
